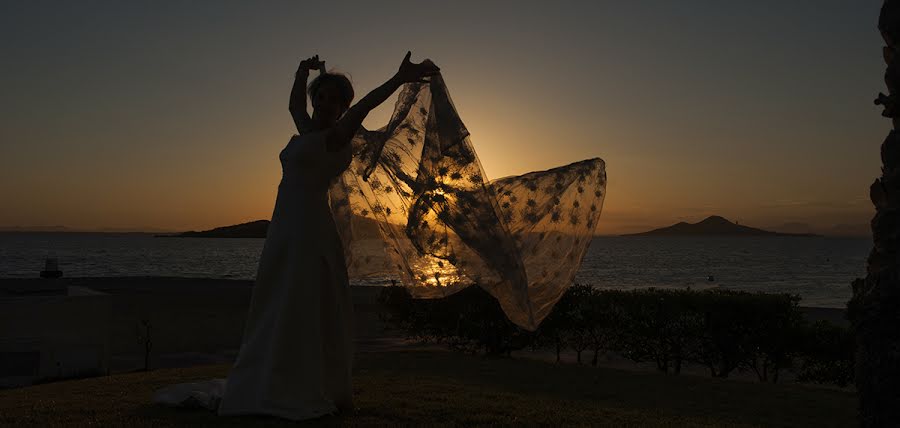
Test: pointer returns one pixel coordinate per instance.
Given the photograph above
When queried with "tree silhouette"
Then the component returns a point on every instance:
(874, 310)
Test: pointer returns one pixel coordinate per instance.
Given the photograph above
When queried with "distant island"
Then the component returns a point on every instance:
(253, 229)
(362, 227)
(713, 226)
(710, 226)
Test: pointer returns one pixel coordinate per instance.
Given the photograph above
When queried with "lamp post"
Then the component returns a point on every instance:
(51, 268)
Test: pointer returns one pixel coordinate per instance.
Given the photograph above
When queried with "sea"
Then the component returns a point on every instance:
(818, 269)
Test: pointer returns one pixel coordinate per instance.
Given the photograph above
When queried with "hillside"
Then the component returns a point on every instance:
(253, 229)
(713, 226)
(363, 228)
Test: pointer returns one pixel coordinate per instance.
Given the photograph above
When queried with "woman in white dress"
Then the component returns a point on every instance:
(296, 354)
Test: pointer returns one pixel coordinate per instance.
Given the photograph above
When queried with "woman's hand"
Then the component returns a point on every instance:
(297, 102)
(410, 72)
(311, 63)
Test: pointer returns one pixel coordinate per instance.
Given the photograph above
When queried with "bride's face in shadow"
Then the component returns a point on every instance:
(329, 104)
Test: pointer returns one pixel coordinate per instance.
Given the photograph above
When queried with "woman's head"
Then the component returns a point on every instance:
(330, 94)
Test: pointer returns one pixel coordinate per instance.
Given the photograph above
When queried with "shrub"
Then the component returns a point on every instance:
(470, 320)
(720, 329)
(828, 354)
(751, 330)
(778, 329)
(653, 325)
(565, 326)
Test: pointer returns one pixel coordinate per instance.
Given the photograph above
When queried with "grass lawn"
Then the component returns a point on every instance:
(443, 388)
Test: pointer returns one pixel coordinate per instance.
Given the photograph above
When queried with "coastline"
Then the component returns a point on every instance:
(363, 294)
(200, 320)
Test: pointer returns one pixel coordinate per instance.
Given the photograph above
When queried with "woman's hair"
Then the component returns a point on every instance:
(339, 80)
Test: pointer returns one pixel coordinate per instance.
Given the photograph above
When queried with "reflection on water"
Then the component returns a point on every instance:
(819, 269)
(437, 273)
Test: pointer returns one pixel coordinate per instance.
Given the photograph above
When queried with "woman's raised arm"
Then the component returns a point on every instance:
(297, 102)
(346, 127)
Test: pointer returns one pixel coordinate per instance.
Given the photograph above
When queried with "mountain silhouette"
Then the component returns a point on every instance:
(713, 226)
(35, 229)
(363, 227)
(253, 229)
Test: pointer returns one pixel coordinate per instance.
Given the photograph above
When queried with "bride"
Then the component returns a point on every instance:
(296, 353)
(442, 226)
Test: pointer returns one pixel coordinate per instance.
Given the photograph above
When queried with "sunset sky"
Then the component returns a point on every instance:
(171, 115)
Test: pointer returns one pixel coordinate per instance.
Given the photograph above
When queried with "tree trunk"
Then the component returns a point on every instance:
(148, 346)
(558, 349)
(755, 367)
(874, 310)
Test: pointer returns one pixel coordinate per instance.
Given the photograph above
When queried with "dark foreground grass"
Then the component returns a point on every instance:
(442, 388)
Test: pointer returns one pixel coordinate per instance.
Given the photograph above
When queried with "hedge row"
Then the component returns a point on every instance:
(722, 330)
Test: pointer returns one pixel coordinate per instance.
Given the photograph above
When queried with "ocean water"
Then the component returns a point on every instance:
(819, 269)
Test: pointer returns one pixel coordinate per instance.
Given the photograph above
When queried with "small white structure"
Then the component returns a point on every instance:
(51, 330)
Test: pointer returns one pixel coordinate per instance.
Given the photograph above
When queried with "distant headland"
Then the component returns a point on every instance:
(713, 226)
(253, 229)
(363, 227)
(710, 226)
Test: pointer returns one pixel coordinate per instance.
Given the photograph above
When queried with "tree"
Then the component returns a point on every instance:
(145, 336)
(874, 310)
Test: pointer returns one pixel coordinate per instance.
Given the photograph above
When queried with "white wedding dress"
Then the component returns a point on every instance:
(296, 353)
(408, 201)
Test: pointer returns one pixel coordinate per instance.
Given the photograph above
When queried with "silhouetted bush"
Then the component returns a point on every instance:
(659, 326)
(470, 320)
(567, 324)
(828, 353)
(751, 330)
(720, 329)
(778, 329)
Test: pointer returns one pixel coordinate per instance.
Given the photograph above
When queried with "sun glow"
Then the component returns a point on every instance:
(440, 273)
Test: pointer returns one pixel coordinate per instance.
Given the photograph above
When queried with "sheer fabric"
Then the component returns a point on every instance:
(415, 204)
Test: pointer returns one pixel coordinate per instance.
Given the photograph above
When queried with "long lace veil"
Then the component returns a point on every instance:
(415, 205)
